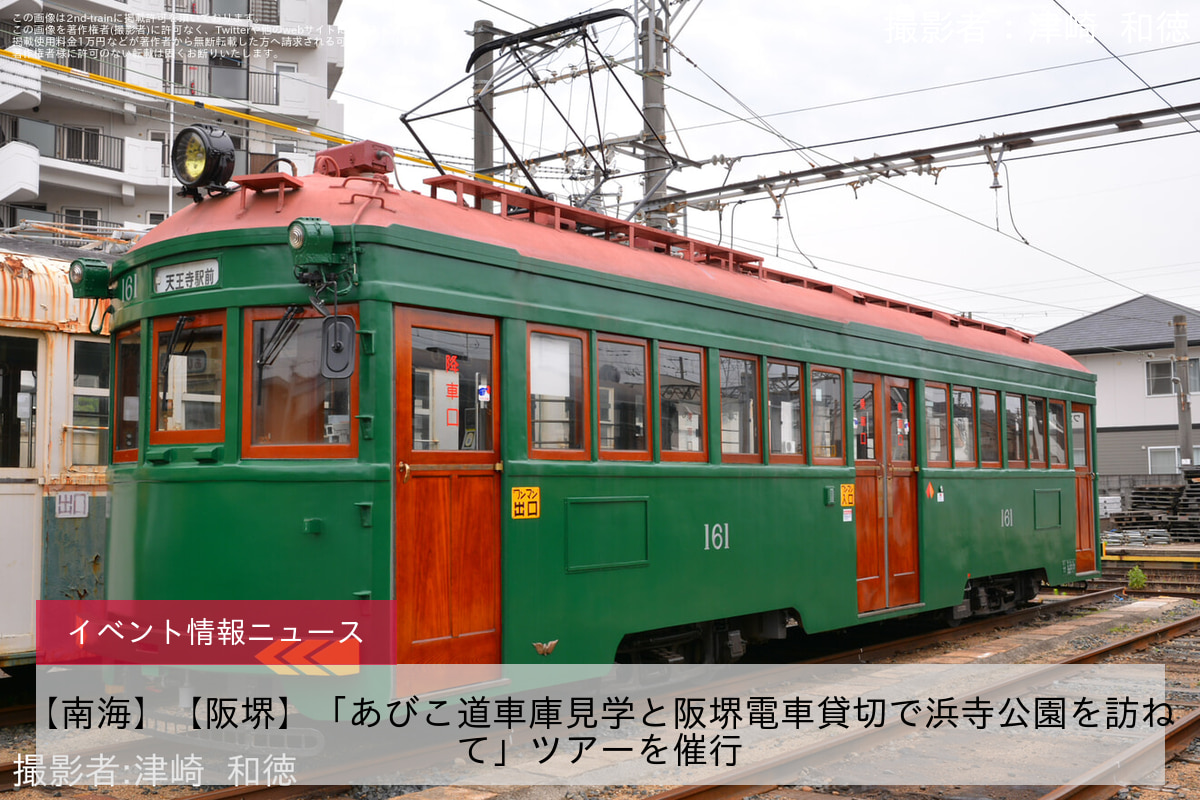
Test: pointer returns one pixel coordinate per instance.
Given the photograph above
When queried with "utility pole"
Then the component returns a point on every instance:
(1182, 386)
(654, 108)
(484, 100)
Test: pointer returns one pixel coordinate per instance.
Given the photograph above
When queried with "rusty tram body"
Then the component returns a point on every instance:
(54, 396)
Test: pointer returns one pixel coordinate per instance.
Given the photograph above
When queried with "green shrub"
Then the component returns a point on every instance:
(1136, 578)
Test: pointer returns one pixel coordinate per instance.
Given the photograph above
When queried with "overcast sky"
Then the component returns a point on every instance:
(1104, 223)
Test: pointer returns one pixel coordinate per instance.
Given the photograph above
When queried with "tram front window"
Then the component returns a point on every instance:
(189, 377)
(290, 402)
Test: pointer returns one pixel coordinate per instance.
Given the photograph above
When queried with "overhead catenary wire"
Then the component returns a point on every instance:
(758, 247)
(977, 120)
(1038, 155)
(951, 85)
(1043, 251)
(1021, 239)
(942, 207)
(1119, 60)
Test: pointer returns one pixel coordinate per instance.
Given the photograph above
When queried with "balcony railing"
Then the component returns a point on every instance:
(55, 48)
(265, 12)
(111, 65)
(262, 12)
(231, 83)
(68, 230)
(77, 145)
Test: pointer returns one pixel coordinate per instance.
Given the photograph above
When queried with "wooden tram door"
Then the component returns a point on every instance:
(1085, 493)
(447, 489)
(885, 494)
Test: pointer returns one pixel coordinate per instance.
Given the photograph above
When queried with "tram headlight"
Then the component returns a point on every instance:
(296, 235)
(202, 157)
(89, 279)
(311, 239)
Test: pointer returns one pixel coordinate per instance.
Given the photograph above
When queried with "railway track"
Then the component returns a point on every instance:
(270, 792)
(9, 717)
(869, 653)
(1148, 639)
(17, 715)
(1183, 635)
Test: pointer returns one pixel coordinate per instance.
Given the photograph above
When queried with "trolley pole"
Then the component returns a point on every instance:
(485, 102)
(1183, 385)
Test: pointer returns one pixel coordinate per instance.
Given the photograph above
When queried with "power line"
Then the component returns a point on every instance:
(506, 11)
(763, 124)
(976, 120)
(1133, 72)
(757, 246)
(952, 85)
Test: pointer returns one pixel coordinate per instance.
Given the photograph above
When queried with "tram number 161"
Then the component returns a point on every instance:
(716, 537)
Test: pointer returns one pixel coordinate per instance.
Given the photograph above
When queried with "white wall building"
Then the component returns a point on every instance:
(1130, 348)
(73, 149)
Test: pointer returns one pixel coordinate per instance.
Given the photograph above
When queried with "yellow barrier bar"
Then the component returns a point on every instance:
(1170, 559)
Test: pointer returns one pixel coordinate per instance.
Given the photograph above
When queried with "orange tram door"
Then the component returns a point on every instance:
(447, 490)
(885, 494)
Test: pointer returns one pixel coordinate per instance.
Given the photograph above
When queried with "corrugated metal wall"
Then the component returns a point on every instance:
(1124, 452)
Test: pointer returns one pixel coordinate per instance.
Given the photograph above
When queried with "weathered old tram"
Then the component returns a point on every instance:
(54, 396)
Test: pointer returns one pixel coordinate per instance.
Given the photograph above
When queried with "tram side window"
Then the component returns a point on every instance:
(828, 421)
(681, 402)
(557, 401)
(1057, 437)
(289, 406)
(785, 395)
(1036, 409)
(127, 396)
(189, 378)
(451, 390)
(18, 402)
(937, 425)
(739, 407)
(899, 409)
(89, 404)
(621, 397)
(963, 426)
(865, 422)
(1014, 428)
(989, 428)
(1080, 438)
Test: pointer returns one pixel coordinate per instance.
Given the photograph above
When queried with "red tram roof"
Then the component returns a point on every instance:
(547, 230)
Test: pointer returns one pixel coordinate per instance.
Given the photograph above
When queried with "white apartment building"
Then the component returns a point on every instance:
(76, 150)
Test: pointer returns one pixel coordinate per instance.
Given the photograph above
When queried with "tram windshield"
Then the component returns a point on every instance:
(291, 402)
(189, 374)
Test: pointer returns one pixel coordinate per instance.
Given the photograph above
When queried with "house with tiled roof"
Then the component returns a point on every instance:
(1130, 348)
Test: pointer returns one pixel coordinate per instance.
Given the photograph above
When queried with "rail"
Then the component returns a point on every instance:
(874, 653)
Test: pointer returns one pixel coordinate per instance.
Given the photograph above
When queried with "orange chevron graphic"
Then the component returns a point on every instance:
(311, 657)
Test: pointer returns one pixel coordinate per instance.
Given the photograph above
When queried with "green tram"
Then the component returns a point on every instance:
(551, 436)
